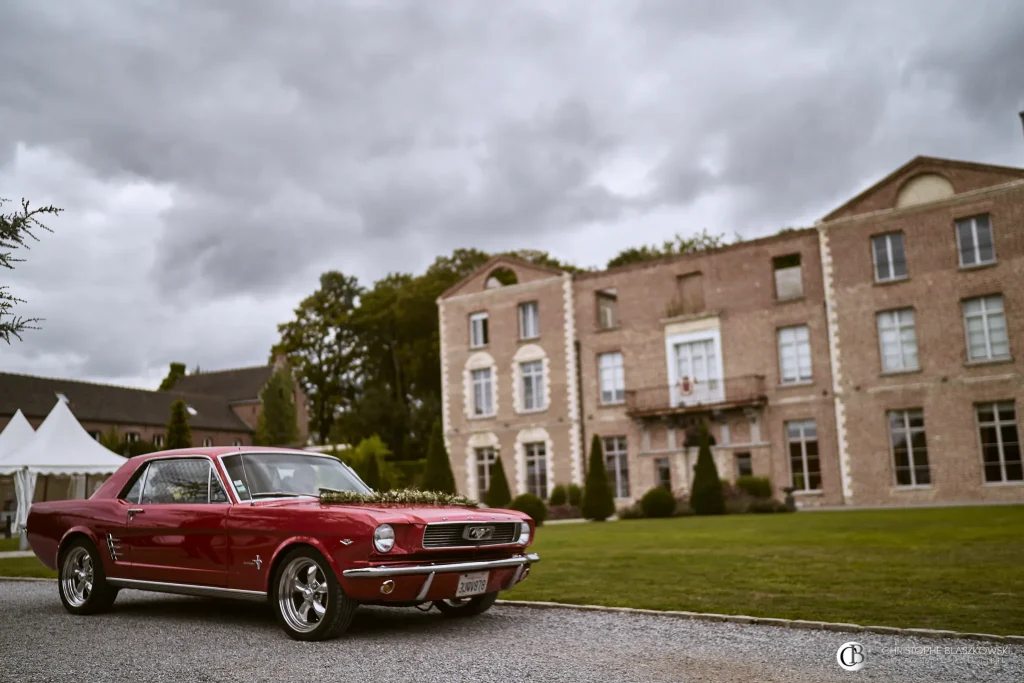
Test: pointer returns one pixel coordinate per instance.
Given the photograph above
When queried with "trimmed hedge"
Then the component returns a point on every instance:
(756, 487)
(532, 506)
(658, 502)
(558, 496)
(575, 494)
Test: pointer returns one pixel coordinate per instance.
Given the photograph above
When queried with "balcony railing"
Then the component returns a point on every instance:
(687, 396)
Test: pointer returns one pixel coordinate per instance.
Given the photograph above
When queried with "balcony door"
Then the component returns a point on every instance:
(695, 370)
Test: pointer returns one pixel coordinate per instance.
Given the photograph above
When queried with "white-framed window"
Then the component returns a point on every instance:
(96, 435)
(985, 324)
(485, 459)
(804, 464)
(478, 330)
(789, 283)
(795, 354)
(974, 241)
(536, 469)
(131, 437)
(607, 309)
(207, 441)
(529, 326)
(611, 377)
(897, 340)
(236, 442)
(889, 256)
(483, 392)
(1000, 441)
(158, 440)
(532, 377)
(616, 461)
(909, 447)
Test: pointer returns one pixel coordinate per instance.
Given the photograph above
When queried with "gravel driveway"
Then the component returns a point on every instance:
(154, 637)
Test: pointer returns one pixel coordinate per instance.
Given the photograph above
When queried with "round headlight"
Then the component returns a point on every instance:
(384, 538)
(524, 533)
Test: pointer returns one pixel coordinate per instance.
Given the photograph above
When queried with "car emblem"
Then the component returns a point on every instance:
(478, 533)
(257, 562)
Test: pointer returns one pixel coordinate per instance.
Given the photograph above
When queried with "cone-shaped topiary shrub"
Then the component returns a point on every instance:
(179, 435)
(706, 497)
(598, 503)
(438, 473)
(498, 495)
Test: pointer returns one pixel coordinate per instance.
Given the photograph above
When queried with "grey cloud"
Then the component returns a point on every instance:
(368, 137)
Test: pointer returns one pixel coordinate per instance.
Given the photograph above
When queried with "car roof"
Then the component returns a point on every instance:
(221, 450)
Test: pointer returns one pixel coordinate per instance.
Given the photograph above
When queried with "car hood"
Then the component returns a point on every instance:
(403, 514)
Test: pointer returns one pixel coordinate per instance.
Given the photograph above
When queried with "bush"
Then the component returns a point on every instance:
(498, 496)
(575, 494)
(767, 505)
(531, 505)
(558, 496)
(658, 502)
(598, 503)
(707, 497)
(631, 512)
(563, 512)
(756, 487)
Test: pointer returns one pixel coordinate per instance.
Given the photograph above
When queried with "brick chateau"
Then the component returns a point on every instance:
(873, 359)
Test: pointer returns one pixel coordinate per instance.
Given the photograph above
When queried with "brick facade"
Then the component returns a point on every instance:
(732, 306)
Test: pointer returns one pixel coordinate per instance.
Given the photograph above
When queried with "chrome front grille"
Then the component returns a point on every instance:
(454, 534)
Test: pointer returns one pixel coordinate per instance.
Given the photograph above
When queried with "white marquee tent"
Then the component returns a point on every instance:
(16, 434)
(59, 447)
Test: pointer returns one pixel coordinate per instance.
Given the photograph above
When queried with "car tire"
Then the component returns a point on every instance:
(81, 579)
(308, 601)
(468, 607)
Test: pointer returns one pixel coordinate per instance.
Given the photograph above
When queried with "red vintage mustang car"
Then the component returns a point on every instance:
(257, 523)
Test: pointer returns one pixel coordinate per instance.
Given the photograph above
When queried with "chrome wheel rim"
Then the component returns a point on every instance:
(77, 576)
(302, 594)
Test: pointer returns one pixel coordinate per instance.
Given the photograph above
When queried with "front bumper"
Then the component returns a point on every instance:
(425, 582)
(446, 568)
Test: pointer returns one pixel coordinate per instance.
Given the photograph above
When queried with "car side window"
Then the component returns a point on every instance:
(181, 480)
(217, 492)
(133, 493)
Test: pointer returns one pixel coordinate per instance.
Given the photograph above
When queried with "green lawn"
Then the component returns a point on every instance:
(7, 544)
(950, 568)
(25, 566)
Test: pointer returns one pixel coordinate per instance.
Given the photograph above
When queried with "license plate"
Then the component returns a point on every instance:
(472, 584)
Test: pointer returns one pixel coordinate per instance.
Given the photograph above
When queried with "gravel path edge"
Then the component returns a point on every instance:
(769, 621)
(731, 618)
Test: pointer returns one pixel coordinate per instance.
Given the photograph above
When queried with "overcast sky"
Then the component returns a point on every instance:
(214, 157)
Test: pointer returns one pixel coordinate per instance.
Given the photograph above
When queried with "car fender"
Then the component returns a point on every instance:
(317, 542)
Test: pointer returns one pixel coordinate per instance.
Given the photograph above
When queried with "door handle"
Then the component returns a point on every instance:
(134, 511)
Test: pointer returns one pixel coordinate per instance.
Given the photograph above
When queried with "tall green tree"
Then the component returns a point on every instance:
(176, 372)
(179, 434)
(371, 457)
(598, 503)
(498, 495)
(674, 247)
(325, 351)
(706, 496)
(438, 474)
(277, 424)
(15, 228)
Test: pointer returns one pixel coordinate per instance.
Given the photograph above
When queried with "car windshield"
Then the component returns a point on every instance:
(270, 475)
